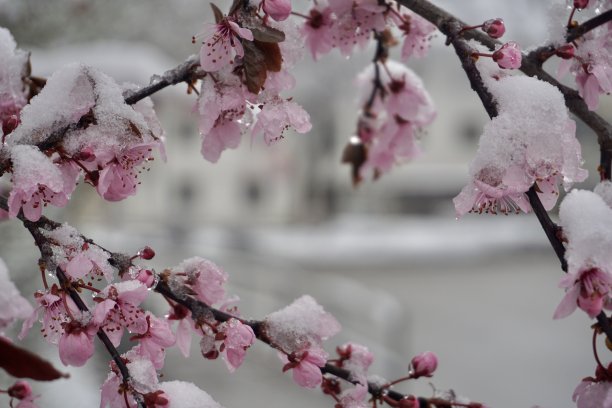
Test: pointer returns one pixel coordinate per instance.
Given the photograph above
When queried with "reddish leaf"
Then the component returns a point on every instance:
(254, 62)
(22, 363)
(272, 55)
(267, 34)
(217, 12)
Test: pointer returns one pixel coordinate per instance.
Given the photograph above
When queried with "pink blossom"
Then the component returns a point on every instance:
(317, 31)
(595, 392)
(494, 190)
(355, 22)
(76, 344)
(112, 396)
(581, 4)
(279, 10)
(22, 391)
(205, 278)
(155, 340)
(357, 359)
(225, 135)
(118, 309)
(495, 28)
(184, 328)
(278, 115)
(220, 43)
(54, 315)
(306, 366)
(118, 172)
(13, 93)
(508, 56)
(588, 289)
(424, 364)
(37, 181)
(238, 338)
(417, 32)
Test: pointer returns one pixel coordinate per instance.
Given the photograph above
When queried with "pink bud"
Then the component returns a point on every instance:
(424, 364)
(20, 390)
(146, 253)
(508, 56)
(495, 28)
(409, 402)
(10, 124)
(581, 4)
(565, 51)
(146, 277)
(279, 10)
(86, 155)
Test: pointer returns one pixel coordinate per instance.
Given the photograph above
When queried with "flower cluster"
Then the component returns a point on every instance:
(105, 139)
(395, 107)
(13, 90)
(531, 142)
(588, 283)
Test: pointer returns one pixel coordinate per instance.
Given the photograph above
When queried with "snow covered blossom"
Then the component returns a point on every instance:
(586, 222)
(13, 95)
(355, 358)
(221, 42)
(531, 141)
(37, 181)
(355, 397)
(592, 66)
(302, 325)
(204, 277)
(595, 391)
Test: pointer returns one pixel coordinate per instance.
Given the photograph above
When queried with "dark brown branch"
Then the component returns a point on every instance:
(580, 30)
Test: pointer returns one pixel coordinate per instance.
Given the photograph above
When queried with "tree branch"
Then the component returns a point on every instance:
(450, 26)
(530, 66)
(581, 29)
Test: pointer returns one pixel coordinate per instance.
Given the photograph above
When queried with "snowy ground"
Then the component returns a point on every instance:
(479, 292)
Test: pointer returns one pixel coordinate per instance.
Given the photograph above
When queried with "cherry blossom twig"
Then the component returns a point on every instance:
(125, 373)
(451, 28)
(583, 28)
(530, 66)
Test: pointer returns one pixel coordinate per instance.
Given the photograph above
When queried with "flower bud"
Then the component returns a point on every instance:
(146, 277)
(408, 402)
(20, 390)
(146, 253)
(581, 4)
(424, 364)
(508, 56)
(565, 51)
(495, 28)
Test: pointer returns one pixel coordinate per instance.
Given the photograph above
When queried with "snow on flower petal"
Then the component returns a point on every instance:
(37, 181)
(12, 90)
(278, 115)
(238, 338)
(186, 395)
(204, 277)
(302, 324)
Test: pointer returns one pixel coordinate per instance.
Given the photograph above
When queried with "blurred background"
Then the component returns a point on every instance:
(388, 259)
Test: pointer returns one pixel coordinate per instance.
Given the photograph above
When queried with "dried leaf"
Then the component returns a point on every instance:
(254, 62)
(22, 363)
(355, 155)
(235, 6)
(272, 55)
(267, 34)
(217, 12)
